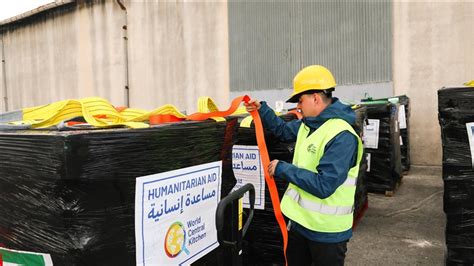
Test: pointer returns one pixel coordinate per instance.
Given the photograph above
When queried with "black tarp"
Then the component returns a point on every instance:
(72, 193)
(455, 106)
(361, 188)
(404, 103)
(405, 133)
(385, 170)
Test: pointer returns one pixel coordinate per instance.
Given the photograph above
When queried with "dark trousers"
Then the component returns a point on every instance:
(301, 251)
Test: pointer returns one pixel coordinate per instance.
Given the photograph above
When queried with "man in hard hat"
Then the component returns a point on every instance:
(322, 179)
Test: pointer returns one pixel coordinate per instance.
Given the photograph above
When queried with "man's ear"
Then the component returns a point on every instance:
(317, 97)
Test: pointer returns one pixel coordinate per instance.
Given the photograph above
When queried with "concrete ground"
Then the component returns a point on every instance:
(406, 229)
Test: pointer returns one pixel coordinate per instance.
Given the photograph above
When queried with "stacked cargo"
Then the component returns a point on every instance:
(403, 121)
(382, 145)
(72, 193)
(361, 200)
(456, 118)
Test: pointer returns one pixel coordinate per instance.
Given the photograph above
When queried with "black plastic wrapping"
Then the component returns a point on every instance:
(455, 110)
(385, 161)
(72, 194)
(403, 100)
(404, 133)
(361, 189)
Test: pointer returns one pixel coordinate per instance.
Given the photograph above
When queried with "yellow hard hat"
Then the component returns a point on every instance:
(310, 78)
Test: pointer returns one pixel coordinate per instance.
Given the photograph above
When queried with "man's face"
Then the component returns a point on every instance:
(308, 104)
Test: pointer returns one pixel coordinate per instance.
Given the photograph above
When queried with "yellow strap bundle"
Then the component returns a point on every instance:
(96, 111)
(131, 114)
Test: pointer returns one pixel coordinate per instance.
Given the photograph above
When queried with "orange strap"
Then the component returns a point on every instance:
(264, 155)
(163, 118)
(298, 114)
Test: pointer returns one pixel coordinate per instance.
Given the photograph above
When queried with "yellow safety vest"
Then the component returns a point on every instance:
(335, 213)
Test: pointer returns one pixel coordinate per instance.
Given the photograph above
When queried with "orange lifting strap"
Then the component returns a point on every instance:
(264, 154)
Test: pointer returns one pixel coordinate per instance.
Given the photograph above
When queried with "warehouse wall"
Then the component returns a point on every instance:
(178, 52)
(163, 52)
(73, 51)
(433, 46)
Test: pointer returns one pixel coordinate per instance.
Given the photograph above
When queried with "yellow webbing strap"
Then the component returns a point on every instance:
(246, 122)
(207, 105)
(131, 113)
(96, 111)
(138, 115)
(469, 83)
(49, 115)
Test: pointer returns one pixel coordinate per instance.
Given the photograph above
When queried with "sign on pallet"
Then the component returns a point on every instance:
(247, 167)
(371, 134)
(470, 136)
(175, 215)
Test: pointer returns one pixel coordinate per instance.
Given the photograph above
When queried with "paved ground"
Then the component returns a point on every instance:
(406, 229)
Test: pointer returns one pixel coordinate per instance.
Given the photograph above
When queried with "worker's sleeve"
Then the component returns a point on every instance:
(340, 155)
(285, 131)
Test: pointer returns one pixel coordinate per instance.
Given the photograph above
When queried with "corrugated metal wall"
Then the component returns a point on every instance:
(3, 96)
(270, 41)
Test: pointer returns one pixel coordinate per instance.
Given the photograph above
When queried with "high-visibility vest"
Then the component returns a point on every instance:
(335, 213)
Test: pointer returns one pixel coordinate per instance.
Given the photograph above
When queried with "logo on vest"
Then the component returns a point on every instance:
(311, 148)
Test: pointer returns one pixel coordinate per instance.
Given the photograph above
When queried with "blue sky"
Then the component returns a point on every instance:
(11, 8)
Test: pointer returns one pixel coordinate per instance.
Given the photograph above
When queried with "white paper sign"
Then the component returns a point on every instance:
(401, 117)
(175, 215)
(371, 134)
(368, 162)
(247, 167)
(470, 136)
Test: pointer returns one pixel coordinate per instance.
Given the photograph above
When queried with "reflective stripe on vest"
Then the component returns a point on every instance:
(350, 182)
(317, 206)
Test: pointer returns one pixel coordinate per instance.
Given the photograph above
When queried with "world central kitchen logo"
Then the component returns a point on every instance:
(177, 238)
(311, 148)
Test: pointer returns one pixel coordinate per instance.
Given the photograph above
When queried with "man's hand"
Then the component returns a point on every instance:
(252, 105)
(272, 167)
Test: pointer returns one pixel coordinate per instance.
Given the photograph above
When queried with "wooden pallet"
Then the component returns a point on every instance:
(390, 193)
